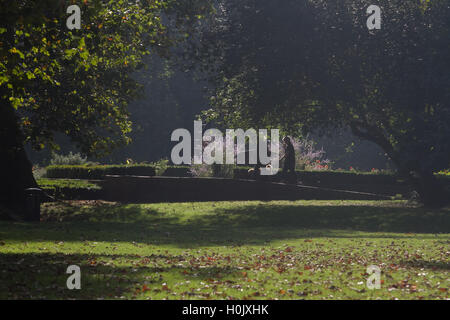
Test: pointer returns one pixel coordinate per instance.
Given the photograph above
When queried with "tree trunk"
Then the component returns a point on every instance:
(16, 170)
(432, 192)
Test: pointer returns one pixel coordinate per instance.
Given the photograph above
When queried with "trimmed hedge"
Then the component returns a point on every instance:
(177, 171)
(331, 177)
(66, 183)
(70, 189)
(380, 183)
(98, 172)
(337, 177)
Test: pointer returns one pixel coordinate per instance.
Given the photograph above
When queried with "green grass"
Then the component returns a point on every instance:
(66, 183)
(228, 250)
(70, 189)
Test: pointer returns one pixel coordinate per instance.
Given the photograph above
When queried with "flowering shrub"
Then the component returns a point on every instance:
(318, 165)
(98, 171)
(201, 170)
(308, 158)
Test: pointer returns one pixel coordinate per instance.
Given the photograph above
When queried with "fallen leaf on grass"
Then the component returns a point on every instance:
(145, 288)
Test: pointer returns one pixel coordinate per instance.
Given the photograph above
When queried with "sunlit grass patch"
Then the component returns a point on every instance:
(228, 250)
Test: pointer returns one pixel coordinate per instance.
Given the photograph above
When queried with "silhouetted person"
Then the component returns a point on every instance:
(288, 172)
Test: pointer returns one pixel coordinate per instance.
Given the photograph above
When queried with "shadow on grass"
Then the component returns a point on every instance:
(433, 265)
(215, 224)
(43, 275)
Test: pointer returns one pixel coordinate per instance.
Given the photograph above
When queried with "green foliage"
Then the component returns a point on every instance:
(177, 171)
(79, 82)
(312, 66)
(160, 166)
(98, 172)
(445, 172)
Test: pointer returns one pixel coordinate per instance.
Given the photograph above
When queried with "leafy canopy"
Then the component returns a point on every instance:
(314, 66)
(80, 82)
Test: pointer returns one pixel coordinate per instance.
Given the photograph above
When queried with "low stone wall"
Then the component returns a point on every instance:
(135, 189)
(384, 184)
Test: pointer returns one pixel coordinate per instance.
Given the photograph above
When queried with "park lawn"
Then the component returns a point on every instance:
(228, 250)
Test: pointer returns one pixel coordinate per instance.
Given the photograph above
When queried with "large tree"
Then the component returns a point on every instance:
(314, 66)
(79, 82)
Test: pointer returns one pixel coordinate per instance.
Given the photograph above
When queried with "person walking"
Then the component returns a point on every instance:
(288, 172)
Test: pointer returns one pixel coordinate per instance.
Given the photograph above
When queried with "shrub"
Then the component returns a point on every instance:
(98, 172)
(201, 170)
(223, 170)
(307, 157)
(160, 166)
(177, 171)
(70, 159)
